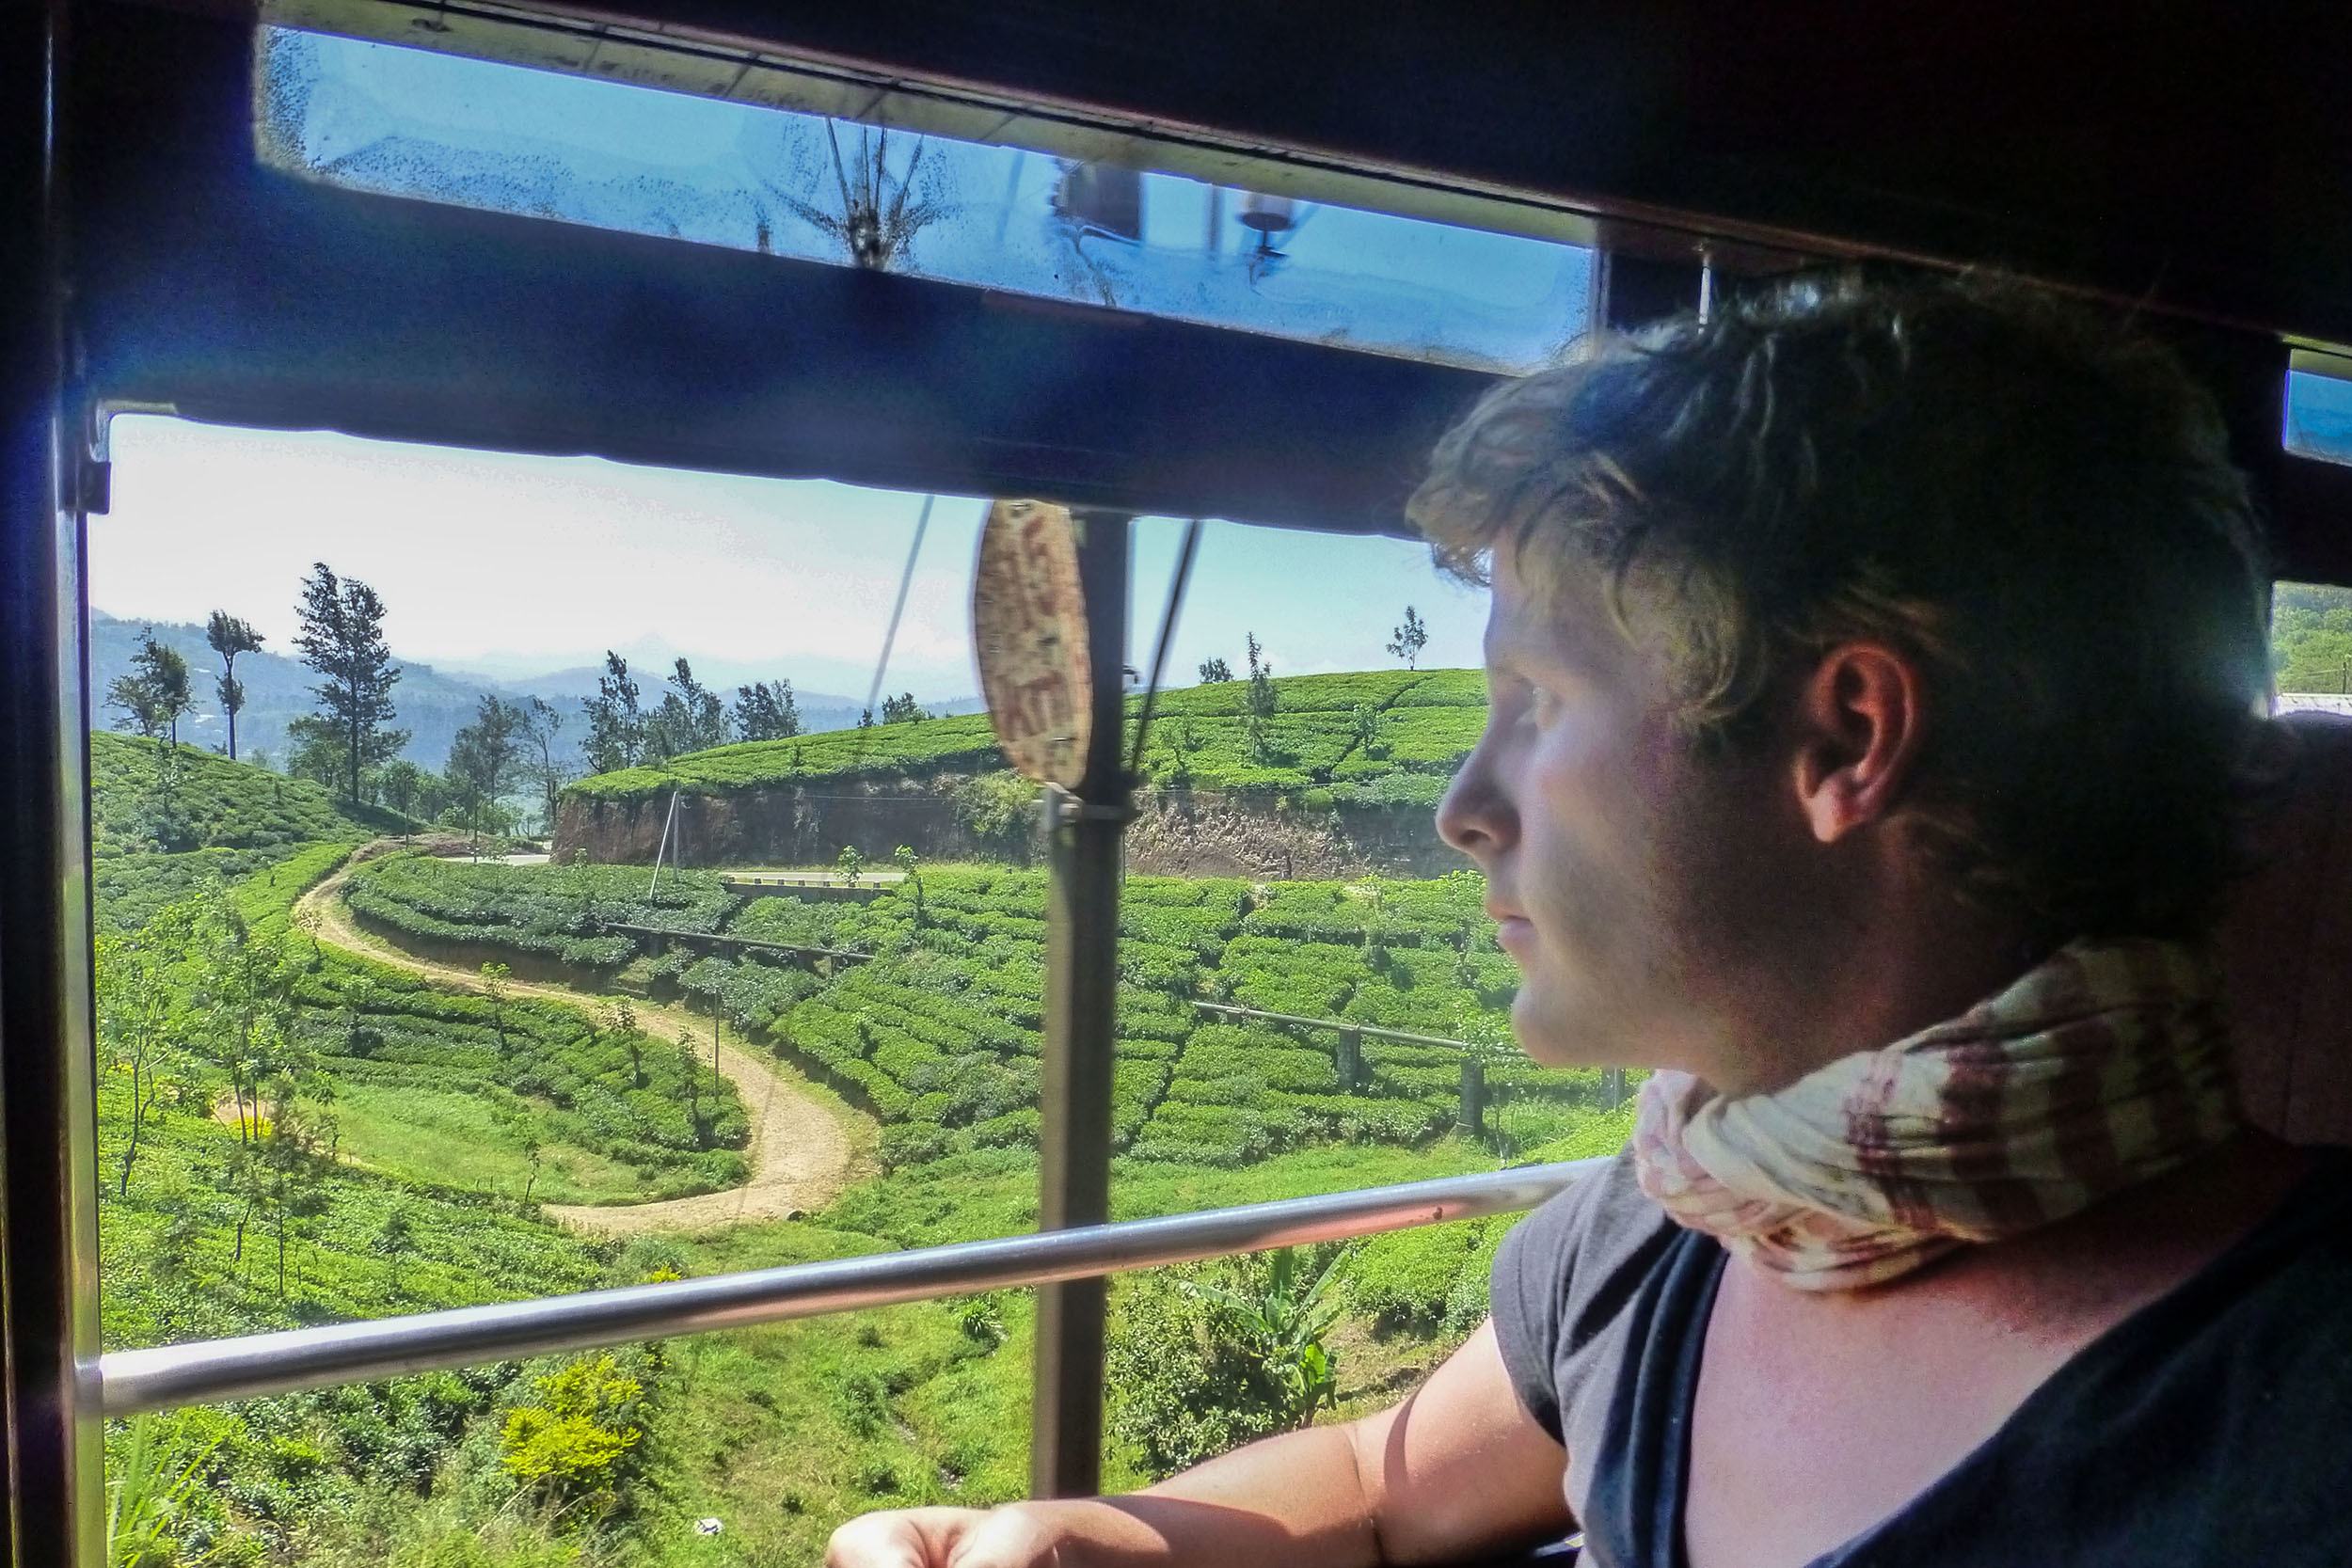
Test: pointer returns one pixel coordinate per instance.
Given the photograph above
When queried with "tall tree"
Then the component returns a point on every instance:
(484, 756)
(616, 730)
(341, 637)
(691, 718)
(155, 692)
(542, 725)
(1263, 698)
(1410, 639)
(765, 711)
(139, 991)
(228, 636)
(1257, 740)
(903, 709)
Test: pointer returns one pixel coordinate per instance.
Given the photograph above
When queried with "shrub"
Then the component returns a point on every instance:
(1202, 1360)
(580, 1437)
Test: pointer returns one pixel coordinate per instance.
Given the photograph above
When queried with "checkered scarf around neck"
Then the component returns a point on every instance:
(2102, 1067)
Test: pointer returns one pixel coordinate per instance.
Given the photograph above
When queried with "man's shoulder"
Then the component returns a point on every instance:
(1583, 1252)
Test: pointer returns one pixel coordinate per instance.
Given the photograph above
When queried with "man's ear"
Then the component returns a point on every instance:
(1859, 723)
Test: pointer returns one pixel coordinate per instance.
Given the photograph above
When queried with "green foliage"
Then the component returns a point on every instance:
(155, 694)
(1409, 638)
(1204, 1359)
(582, 1431)
(155, 1494)
(1408, 1281)
(2310, 637)
(559, 914)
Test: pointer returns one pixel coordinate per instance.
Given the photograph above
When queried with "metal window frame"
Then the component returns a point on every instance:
(165, 313)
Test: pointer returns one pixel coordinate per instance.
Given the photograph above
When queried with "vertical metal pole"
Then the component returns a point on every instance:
(1081, 1015)
(48, 1123)
(1473, 1096)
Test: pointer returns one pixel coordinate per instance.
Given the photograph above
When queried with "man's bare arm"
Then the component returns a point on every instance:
(1457, 1470)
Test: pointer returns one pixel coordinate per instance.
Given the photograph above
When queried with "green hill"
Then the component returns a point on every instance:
(1377, 737)
(147, 799)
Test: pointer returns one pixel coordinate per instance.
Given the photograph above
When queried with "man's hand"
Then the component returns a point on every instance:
(1012, 1537)
(1458, 1470)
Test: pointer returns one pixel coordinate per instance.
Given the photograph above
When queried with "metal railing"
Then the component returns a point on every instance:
(259, 1364)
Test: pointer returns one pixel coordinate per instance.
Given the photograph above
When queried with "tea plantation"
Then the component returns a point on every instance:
(938, 1034)
(383, 1145)
(1387, 737)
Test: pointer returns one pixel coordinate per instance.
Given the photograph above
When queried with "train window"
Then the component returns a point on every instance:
(2319, 405)
(766, 159)
(655, 926)
(2311, 646)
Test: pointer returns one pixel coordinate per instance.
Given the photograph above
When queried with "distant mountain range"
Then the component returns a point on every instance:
(434, 704)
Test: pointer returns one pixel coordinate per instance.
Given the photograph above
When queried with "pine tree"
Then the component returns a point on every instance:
(341, 637)
(616, 730)
(228, 636)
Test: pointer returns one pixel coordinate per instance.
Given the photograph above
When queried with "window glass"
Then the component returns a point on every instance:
(715, 973)
(2311, 646)
(2319, 406)
(852, 190)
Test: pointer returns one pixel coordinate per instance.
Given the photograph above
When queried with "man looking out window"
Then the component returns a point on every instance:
(1876, 675)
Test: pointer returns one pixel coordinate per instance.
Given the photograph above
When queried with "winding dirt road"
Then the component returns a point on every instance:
(799, 1151)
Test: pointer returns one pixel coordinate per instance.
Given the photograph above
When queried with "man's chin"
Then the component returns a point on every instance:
(1552, 1040)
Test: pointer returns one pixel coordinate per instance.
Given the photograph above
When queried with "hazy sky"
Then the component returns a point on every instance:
(513, 564)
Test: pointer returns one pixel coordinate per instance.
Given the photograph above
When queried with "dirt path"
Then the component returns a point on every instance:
(799, 1152)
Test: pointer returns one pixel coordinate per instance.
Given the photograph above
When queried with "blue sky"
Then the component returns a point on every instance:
(513, 564)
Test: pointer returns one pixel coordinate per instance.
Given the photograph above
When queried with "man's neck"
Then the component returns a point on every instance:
(1905, 965)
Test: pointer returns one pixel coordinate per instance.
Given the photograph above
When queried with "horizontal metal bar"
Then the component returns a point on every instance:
(1344, 1026)
(259, 1364)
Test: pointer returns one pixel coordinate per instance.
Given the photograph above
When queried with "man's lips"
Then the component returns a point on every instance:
(1513, 932)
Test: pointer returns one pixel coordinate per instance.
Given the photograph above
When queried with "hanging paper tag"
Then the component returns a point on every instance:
(1029, 631)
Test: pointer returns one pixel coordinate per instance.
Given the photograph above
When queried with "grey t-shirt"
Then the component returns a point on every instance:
(2213, 1426)
(1565, 1279)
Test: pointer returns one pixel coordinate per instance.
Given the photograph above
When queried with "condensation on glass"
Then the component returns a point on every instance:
(723, 163)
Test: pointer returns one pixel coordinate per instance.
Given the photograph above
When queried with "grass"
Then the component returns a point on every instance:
(475, 1142)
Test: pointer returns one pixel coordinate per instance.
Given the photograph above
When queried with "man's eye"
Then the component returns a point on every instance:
(1541, 705)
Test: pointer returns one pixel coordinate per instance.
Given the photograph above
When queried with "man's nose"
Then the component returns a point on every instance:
(1475, 816)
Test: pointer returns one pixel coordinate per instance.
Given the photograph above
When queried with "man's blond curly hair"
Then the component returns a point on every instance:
(2033, 501)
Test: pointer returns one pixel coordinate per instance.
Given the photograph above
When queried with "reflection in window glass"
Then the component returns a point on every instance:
(2319, 409)
(408, 123)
